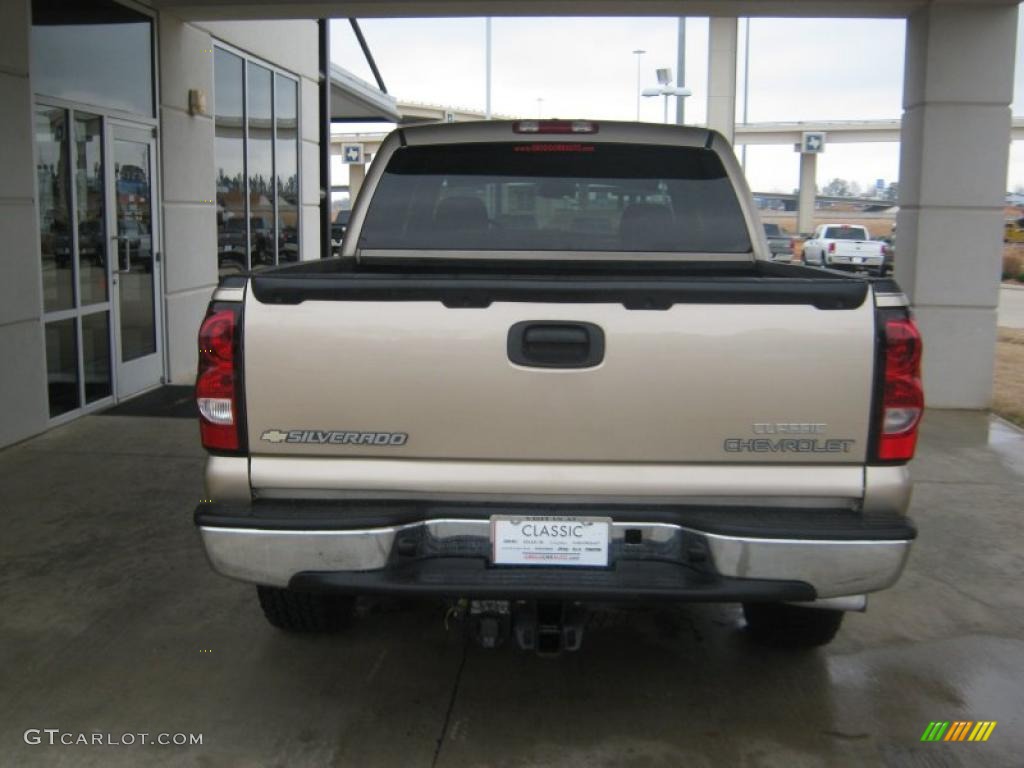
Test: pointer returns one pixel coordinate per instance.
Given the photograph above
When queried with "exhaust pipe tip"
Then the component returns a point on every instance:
(858, 603)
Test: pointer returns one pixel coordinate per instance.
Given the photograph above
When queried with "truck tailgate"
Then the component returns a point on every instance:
(852, 248)
(702, 381)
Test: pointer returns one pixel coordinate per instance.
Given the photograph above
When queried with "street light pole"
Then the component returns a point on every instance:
(746, 87)
(680, 68)
(487, 112)
(665, 91)
(639, 56)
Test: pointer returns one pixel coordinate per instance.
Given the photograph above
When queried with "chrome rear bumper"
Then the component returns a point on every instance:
(833, 568)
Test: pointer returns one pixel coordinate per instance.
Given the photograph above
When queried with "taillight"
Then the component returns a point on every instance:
(831, 247)
(902, 393)
(554, 126)
(218, 383)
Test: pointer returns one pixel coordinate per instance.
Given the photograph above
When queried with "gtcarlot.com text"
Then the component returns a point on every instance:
(57, 737)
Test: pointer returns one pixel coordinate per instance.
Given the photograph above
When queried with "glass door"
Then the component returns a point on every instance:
(135, 274)
(71, 174)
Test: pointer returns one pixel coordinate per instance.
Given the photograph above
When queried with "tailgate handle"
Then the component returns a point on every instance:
(554, 344)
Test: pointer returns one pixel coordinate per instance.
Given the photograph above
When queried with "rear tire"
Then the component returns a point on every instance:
(789, 626)
(305, 612)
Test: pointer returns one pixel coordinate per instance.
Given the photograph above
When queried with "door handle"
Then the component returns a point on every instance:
(555, 344)
(118, 239)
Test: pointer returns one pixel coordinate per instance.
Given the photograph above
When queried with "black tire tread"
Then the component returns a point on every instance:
(790, 626)
(305, 612)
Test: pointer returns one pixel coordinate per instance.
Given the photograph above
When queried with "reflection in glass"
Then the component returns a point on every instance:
(54, 192)
(134, 249)
(92, 245)
(62, 366)
(97, 52)
(229, 150)
(286, 154)
(260, 165)
(96, 355)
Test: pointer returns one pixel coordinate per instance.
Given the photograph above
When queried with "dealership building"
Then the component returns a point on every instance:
(143, 156)
(149, 147)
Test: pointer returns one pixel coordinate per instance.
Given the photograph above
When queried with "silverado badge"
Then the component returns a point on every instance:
(334, 437)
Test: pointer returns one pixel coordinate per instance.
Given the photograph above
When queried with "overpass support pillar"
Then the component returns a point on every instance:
(958, 84)
(356, 175)
(722, 75)
(808, 191)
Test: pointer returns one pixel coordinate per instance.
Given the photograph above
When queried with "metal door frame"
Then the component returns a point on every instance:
(139, 132)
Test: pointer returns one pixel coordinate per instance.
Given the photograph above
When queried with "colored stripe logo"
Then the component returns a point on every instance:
(959, 730)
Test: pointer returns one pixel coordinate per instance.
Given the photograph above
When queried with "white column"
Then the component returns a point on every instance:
(23, 403)
(808, 191)
(958, 84)
(722, 75)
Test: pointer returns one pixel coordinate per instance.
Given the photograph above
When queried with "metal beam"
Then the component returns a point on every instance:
(197, 10)
(852, 132)
(324, 37)
(367, 53)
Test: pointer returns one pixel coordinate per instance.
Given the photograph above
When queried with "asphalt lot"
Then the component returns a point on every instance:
(112, 622)
(1011, 307)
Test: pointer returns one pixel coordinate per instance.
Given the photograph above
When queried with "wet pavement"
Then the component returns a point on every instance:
(112, 622)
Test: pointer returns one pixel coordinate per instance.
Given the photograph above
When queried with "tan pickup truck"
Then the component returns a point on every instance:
(553, 366)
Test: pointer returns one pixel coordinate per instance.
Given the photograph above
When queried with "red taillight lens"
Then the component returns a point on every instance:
(902, 394)
(831, 247)
(217, 390)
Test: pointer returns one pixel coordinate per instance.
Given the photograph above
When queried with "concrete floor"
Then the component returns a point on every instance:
(112, 622)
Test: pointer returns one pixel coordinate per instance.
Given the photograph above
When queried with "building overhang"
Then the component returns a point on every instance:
(355, 100)
(368, 9)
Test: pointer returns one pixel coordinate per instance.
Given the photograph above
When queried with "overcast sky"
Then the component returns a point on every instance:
(584, 67)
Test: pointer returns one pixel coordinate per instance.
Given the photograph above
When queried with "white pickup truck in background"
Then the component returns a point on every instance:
(843, 246)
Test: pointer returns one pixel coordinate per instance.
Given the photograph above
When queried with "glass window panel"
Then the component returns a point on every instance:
(569, 197)
(94, 52)
(96, 355)
(90, 202)
(62, 366)
(286, 155)
(54, 193)
(229, 151)
(135, 249)
(260, 164)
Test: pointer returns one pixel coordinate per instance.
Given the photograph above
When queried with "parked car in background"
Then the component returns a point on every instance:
(231, 246)
(288, 244)
(780, 243)
(844, 246)
(888, 252)
(338, 229)
(134, 245)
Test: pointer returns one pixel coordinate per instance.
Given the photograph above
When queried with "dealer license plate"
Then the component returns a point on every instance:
(549, 540)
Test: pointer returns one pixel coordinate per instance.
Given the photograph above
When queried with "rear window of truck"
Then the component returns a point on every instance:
(555, 197)
(845, 233)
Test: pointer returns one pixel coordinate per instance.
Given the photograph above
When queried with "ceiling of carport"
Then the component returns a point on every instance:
(354, 99)
(313, 9)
